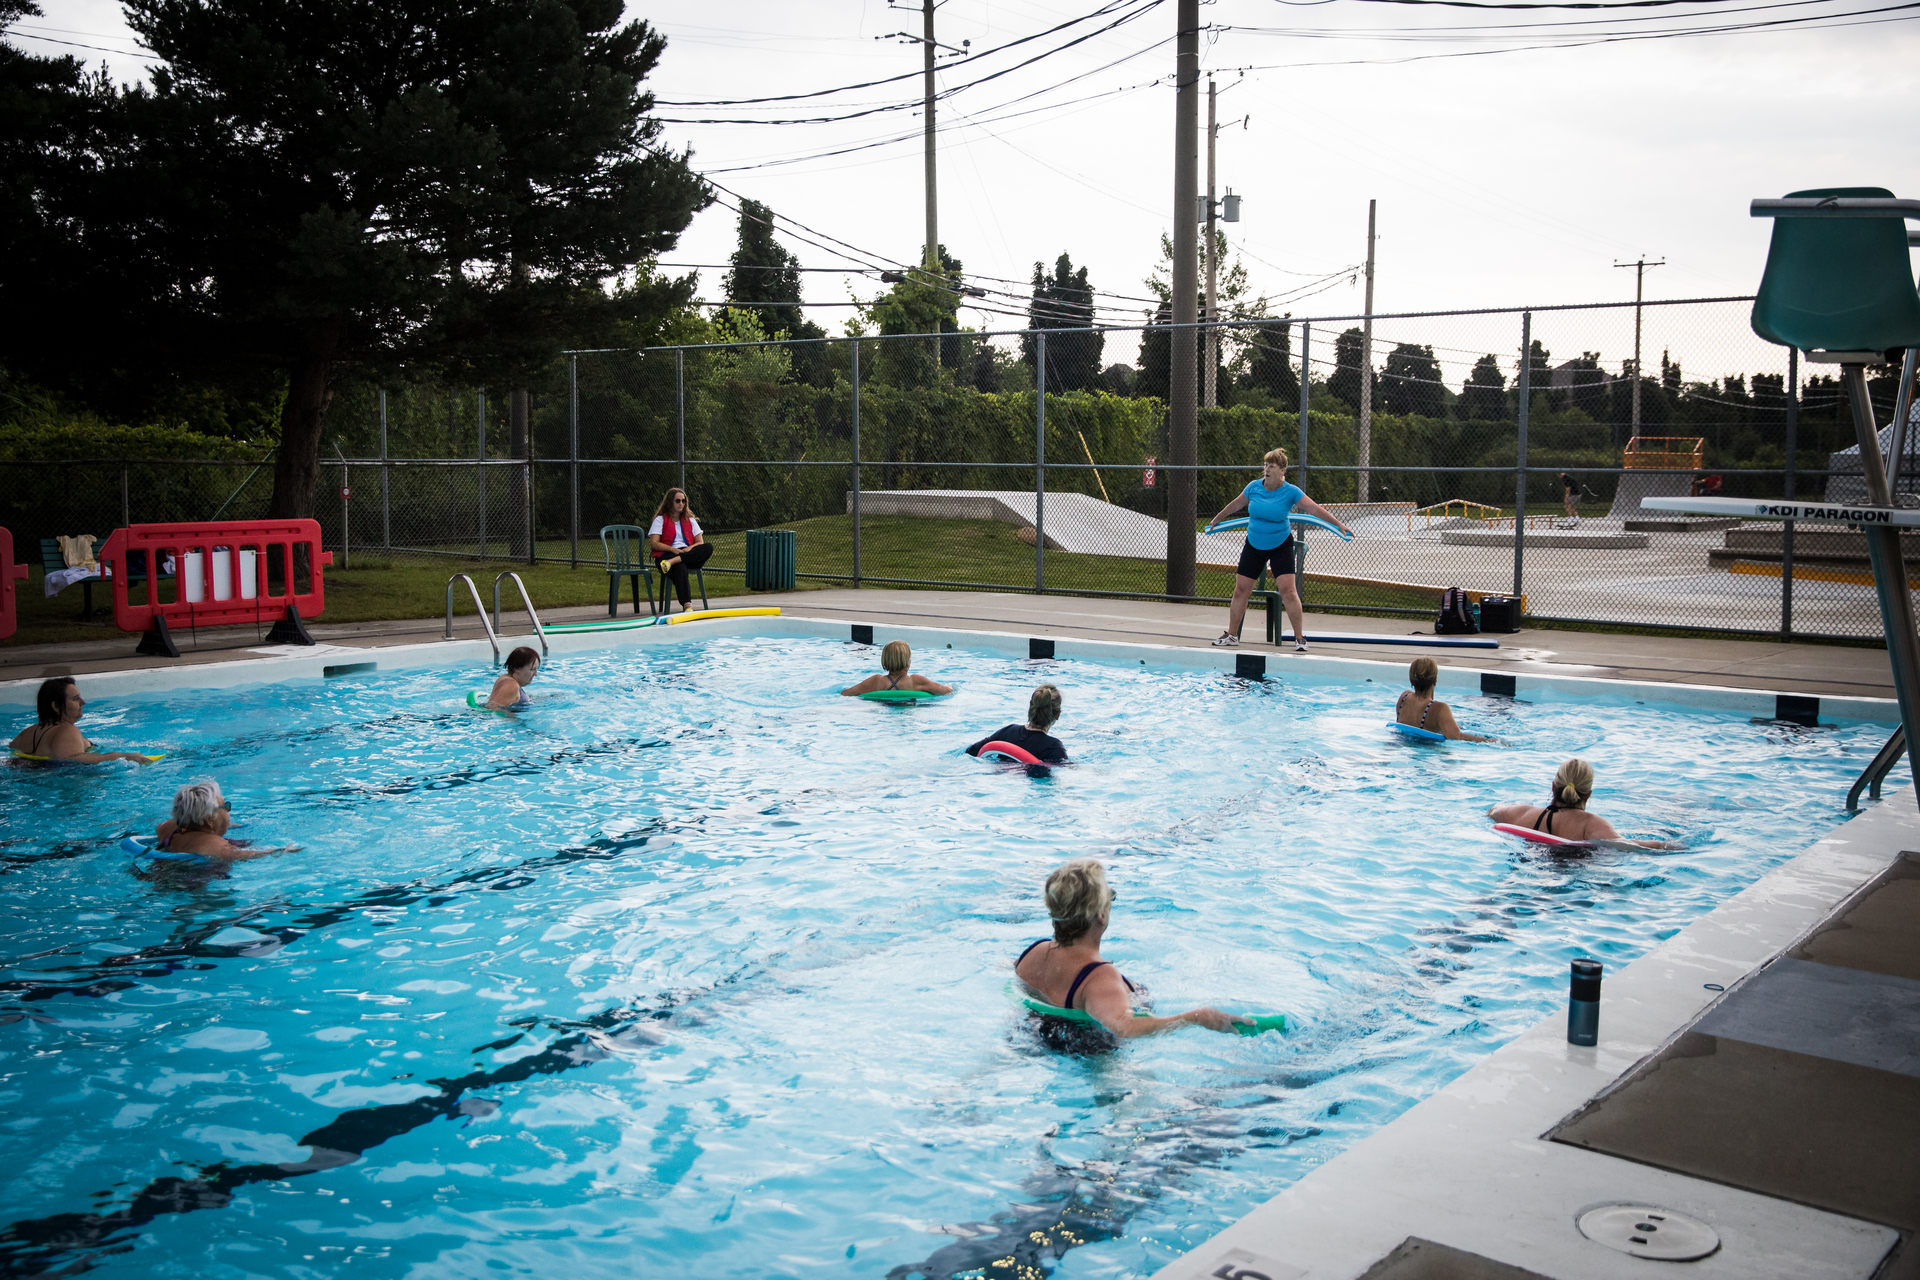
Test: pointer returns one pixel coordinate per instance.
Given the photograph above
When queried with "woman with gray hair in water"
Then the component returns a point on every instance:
(198, 827)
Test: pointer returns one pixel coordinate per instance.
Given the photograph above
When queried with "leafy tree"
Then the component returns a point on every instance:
(1484, 397)
(1344, 382)
(922, 302)
(1156, 357)
(1670, 375)
(1588, 390)
(1410, 383)
(1270, 362)
(1064, 300)
(1539, 372)
(306, 190)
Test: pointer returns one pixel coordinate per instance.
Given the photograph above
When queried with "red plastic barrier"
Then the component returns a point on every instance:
(223, 572)
(9, 571)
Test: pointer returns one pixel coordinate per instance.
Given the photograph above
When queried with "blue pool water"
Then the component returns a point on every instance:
(700, 970)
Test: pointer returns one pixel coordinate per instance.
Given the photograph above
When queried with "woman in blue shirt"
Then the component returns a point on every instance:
(1268, 502)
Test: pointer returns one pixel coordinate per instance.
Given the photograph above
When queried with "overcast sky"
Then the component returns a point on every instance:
(1511, 178)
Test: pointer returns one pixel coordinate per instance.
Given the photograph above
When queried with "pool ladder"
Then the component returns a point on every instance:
(526, 600)
(1876, 772)
(493, 627)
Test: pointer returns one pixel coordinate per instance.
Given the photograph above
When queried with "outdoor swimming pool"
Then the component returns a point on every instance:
(699, 969)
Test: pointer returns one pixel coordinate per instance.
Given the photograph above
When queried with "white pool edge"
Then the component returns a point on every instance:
(1390, 667)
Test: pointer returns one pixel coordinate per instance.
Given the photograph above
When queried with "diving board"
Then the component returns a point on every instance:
(1816, 512)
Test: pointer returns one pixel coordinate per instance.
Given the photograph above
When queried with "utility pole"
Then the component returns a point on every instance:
(1639, 280)
(1183, 437)
(929, 50)
(932, 262)
(1210, 365)
(1362, 476)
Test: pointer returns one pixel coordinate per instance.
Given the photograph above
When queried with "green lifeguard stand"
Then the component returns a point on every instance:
(1839, 287)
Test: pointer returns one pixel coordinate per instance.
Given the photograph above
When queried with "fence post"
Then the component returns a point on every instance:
(680, 412)
(386, 518)
(573, 458)
(1520, 463)
(346, 521)
(1306, 377)
(856, 462)
(126, 505)
(1786, 526)
(1040, 463)
(533, 495)
(480, 471)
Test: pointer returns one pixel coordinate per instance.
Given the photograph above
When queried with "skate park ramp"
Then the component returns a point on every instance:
(1635, 485)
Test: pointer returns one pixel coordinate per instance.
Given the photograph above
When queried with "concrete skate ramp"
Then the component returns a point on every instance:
(1075, 522)
(1635, 485)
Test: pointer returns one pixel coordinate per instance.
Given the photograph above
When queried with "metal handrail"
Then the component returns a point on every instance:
(478, 608)
(525, 600)
(1876, 772)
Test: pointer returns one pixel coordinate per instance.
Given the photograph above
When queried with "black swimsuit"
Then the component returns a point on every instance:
(1546, 817)
(1423, 711)
(1079, 978)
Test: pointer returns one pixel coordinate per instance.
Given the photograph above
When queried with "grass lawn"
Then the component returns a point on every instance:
(957, 554)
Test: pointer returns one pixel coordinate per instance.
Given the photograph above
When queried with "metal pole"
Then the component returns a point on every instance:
(1639, 281)
(573, 457)
(931, 257)
(481, 472)
(386, 514)
(1183, 442)
(1786, 528)
(856, 462)
(1306, 378)
(126, 502)
(1209, 372)
(680, 413)
(1889, 564)
(1902, 415)
(1364, 476)
(346, 524)
(1040, 463)
(1520, 463)
(527, 409)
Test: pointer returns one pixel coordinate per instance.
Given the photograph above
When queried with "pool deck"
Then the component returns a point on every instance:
(1758, 1072)
(1814, 669)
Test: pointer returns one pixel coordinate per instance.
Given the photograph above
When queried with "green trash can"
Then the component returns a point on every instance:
(770, 554)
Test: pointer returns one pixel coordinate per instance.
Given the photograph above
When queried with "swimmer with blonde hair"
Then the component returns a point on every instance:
(1066, 970)
(896, 662)
(1418, 707)
(1566, 816)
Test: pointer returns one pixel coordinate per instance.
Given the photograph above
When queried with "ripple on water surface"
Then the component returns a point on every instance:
(699, 965)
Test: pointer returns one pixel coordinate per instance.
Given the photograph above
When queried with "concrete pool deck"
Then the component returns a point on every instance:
(1802, 668)
(1798, 1147)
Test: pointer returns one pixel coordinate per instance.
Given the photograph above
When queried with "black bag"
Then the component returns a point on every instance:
(1456, 615)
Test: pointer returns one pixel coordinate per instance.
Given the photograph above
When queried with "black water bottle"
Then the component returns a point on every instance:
(1583, 1003)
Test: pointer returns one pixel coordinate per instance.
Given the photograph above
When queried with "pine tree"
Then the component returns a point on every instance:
(306, 189)
(1344, 382)
(765, 275)
(1270, 362)
(1064, 300)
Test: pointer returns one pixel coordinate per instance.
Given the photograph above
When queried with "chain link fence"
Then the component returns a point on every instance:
(1036, 461)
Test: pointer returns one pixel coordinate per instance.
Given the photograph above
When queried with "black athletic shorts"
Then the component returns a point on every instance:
(1253, 560)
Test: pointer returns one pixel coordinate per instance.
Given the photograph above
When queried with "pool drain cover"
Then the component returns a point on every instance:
(1648, 1232)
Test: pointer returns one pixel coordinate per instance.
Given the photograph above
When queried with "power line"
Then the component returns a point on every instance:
(1111, 7)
